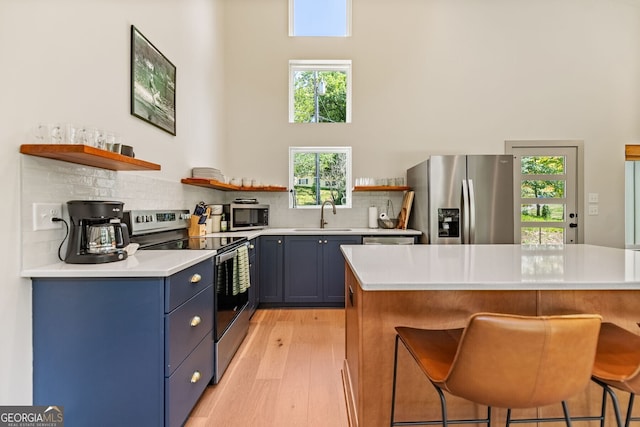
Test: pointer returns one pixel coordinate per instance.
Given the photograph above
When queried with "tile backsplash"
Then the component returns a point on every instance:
(52, 181)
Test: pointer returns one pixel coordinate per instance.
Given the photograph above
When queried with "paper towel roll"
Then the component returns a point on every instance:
(373, 217)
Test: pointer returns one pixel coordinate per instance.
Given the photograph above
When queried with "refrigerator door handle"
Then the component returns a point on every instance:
(472, 213)
(465, 212)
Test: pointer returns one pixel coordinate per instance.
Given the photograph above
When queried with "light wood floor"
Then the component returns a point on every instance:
(287, 372)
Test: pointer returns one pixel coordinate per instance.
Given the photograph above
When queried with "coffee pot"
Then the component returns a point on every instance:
(97, 235)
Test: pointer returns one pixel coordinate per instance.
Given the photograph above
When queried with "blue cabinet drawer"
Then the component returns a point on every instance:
(186, 326)
(186, 283)
(185, 386)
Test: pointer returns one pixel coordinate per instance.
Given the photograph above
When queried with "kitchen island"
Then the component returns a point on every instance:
(440, 286)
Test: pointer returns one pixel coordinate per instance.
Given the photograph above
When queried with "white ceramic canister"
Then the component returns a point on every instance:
(215, 220)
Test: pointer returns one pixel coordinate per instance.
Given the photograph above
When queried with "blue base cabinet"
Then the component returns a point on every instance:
(333, 267)
(126, 351)
(271, 269)
(303, 270)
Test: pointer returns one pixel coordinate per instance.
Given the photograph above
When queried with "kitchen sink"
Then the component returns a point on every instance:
(321, 229)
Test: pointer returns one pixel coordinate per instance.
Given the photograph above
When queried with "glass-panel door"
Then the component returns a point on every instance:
(546, 195)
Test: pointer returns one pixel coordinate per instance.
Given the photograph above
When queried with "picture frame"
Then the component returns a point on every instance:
(153, 84)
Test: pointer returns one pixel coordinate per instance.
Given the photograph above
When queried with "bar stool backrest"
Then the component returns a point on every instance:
(512, 361)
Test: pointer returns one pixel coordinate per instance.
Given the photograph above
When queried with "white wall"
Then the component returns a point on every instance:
(442, 76)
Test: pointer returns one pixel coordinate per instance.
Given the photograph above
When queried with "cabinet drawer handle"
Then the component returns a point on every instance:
(320, 241)
(195, 321)
(251, 246)
(351, 295)
(195, 278)
(196, 377)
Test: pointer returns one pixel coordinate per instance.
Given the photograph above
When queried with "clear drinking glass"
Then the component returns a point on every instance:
(41, 134)
(56, 133)
(100, 139)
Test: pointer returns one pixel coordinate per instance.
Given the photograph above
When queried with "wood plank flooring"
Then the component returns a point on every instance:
(286, 373)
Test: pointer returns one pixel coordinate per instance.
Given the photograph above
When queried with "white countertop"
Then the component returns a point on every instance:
(141, 264)
(165, 263)
(493, 267)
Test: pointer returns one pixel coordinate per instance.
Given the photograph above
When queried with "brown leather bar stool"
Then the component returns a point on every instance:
(617, 365)
(505, 361)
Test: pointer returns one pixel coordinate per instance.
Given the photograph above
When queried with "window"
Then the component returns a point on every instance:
(320, 18)
(320, 91)
(317, 174)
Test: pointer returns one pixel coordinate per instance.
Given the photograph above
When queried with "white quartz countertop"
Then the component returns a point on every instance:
(142, 264)
(493, 267)
(165, 263)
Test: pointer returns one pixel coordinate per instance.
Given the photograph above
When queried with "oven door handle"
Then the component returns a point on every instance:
(225, 257)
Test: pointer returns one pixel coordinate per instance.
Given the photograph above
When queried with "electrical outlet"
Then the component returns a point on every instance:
(593, 209)
(43, 213)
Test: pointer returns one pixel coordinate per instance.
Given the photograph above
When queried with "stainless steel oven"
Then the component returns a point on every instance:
(231, 316)
(167, 230)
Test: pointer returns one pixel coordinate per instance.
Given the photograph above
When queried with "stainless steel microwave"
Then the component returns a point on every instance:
(246, 216)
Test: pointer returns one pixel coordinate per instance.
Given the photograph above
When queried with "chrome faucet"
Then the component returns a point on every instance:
(322, 221)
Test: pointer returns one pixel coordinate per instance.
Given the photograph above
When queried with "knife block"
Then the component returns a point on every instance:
(196, 229)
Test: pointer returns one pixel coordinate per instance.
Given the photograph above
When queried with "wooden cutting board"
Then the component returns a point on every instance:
(405, 210)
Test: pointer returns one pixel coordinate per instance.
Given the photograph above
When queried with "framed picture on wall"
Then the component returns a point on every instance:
(153, 84)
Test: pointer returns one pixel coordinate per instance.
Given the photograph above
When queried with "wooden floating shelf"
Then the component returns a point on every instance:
(217, 185)
(632, 152)
(380, 188)
(88, 156)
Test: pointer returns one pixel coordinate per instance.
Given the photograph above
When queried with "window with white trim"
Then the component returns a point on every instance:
(318, 174)
(320, 91)
(320, 18)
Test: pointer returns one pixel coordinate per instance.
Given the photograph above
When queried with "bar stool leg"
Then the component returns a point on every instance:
(614, 399)
(565, 409)
(629, 410)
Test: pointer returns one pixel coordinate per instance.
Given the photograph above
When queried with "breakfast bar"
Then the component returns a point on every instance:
(440, 286)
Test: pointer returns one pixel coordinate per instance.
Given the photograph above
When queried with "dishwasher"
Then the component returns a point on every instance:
(387, 240)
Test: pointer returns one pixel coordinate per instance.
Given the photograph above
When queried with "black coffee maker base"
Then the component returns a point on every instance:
(119, 255)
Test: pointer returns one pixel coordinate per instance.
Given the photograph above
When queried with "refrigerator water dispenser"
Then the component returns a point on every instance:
(448, 222)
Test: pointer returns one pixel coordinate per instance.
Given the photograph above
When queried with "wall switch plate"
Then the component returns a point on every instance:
(43, 213)
(593, 197)
(593, 209)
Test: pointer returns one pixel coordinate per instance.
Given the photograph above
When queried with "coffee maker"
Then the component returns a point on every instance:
(97, 235)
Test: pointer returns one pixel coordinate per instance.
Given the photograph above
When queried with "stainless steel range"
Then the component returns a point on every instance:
(168, 230)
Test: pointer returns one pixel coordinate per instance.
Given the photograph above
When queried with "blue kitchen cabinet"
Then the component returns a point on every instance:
(314, 269)
(271, 269)
(333, 267)
(123, 351)
(302, 272)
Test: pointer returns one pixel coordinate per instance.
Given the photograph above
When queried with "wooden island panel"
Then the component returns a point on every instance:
(370, 339)
(371, 317)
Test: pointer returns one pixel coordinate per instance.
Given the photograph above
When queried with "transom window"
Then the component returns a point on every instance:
(320, 91)
(318, 174)
(320, 18)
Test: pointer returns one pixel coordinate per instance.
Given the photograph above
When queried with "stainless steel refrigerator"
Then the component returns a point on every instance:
(465, 199)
